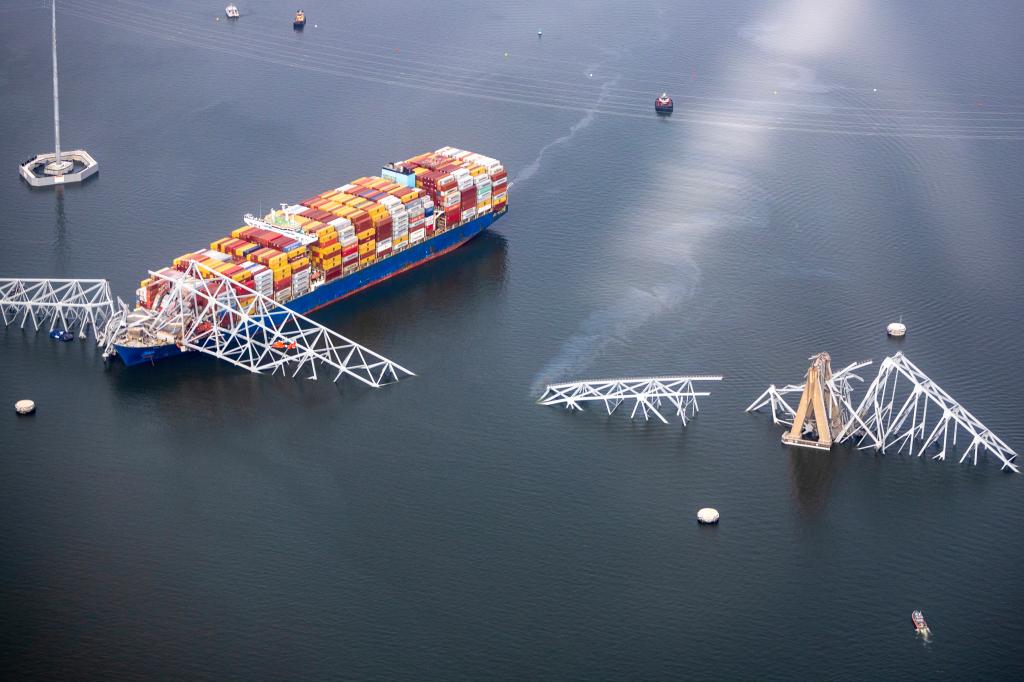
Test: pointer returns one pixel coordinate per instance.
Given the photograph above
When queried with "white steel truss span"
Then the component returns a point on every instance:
(646, 393)
(888, 418)
(66, 304)
(915, 414)
(207, 312)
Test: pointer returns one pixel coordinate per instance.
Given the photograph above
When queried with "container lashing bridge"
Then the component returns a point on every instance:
(646, 393)
(204, 311)
(902, 408)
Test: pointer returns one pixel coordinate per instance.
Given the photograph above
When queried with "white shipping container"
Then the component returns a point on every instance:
(417, 235)
(499, 182)
(217, 255)
(283, 295)
(383, 245)
(499, 197)
(348, 240)
(347, 188)
(469, 213)
(390, 201)
(340, 223)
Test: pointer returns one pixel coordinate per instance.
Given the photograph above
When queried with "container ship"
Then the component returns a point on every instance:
(327, 247)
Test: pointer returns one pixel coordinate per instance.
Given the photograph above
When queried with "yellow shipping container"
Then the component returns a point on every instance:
(399, 241)
(366, 234)
(301, 221)
(281, 273)
(368, 247)
(328, 194)
(333, 262)
(300, 263)
(237, 233)
(326, 251)
(343, 197)
(369, 260)
(475, 170)
(330, 206)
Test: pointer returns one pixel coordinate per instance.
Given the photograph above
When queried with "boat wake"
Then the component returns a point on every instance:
(531, 169)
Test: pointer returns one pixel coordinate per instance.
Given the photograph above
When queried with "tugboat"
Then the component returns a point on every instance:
(300, 19)
(232, 12)
(663, 105)
(920, 625)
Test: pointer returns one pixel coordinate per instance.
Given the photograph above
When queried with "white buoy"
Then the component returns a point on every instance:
(539, 32)
(24, 407)
(896, 329)
(707, 515)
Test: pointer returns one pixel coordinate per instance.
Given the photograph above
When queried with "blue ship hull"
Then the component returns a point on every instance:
(338, 289)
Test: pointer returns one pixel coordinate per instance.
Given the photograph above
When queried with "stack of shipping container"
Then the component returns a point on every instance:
(354, 226)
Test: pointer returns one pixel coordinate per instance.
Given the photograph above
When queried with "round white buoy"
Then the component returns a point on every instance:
(896, 329)
(24, 407)
(707, 515)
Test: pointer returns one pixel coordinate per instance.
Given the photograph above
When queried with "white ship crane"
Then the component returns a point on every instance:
(646, 393)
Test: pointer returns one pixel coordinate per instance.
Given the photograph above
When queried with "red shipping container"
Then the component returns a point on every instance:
(282, 283)
(453, 215)
(384, 229)
(347, 250)
(468, 197)
(333, 273)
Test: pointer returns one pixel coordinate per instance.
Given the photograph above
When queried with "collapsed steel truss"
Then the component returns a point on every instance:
(892, 415)
(887, 422)
(836, 390)
(647, 394)
(207, 312)
(67, 304)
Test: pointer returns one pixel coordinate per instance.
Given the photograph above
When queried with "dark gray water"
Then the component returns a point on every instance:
(830, 167)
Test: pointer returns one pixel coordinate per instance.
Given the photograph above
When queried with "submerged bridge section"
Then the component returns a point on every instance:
(84, 305)
(204, 311)
(647, 394)
(902, 408)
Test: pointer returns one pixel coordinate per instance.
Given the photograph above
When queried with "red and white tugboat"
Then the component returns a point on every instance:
(663, 105)
(920, 625)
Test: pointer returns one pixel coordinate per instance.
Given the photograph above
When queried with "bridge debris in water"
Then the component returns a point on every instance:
(894, 412)
(646, 393)
(67, 304)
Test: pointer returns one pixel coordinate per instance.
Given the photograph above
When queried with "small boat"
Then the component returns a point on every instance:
(896, 329)
(919, 624)
(300, 19)
(539, 33)
(663, 105)
(232, 12)
(61, 335)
